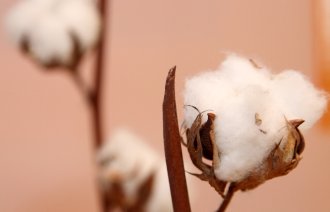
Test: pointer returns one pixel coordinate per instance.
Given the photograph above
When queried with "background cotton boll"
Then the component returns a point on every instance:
(49, 42)
(21, 19)
(298, 98)
(82, 19)
(128, 158)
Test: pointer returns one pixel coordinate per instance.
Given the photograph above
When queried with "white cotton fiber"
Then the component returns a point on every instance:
(240, 95)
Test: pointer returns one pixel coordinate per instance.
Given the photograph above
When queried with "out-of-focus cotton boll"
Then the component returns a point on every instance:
(126, 159)
(82, 19)
(130, 158)
(50, 43)
(56, 32)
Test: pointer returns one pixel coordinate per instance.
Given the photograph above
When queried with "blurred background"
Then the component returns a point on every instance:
(46, 154)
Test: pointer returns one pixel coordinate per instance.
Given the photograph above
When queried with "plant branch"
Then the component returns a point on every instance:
(172, 144)
(97, 92)
(99, 71)
(227, 199)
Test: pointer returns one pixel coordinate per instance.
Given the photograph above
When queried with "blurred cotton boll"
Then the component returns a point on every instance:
(55, 32)
(131, 171)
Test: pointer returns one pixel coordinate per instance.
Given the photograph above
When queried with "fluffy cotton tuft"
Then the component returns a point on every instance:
(131, 160)
(241, 95)
(58, 24)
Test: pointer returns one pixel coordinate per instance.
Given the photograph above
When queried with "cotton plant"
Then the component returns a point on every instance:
(133, 175)
(54, 32)
(248, 122)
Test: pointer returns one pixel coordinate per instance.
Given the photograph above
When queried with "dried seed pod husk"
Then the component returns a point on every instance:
(203, 135)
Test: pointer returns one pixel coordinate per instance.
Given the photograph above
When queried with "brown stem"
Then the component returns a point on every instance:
(172, 144)
(99, 71)
(227, 199)
(97, 94)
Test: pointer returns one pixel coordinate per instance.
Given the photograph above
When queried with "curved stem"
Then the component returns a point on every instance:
(227, 199)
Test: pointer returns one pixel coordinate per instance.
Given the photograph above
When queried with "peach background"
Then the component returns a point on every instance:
(46, 159)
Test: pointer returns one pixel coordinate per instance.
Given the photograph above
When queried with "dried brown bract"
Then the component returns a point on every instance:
(201, 144)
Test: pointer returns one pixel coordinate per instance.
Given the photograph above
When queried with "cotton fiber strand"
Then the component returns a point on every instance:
(252, 107)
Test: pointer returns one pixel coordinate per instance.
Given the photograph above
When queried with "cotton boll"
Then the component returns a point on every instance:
(131, 156)
(253, 109)
(55, 32)
(298, 98)
(49, 42)
(22, 18)
(82, 19)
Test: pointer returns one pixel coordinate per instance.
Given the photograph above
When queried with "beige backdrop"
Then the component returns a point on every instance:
(46, 159)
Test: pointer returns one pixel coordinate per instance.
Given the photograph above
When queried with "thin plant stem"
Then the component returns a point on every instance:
(99, 71)
(172, 144)
(97, 92)
(227, 199)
